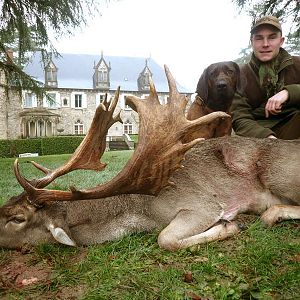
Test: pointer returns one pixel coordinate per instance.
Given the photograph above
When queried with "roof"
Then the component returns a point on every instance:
(76, 71)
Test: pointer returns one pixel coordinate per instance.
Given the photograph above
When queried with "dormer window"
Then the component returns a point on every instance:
(101, 75)
(144, 79)
(51, 74)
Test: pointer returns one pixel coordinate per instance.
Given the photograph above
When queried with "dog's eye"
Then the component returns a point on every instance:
(229, 72)
(213, 74)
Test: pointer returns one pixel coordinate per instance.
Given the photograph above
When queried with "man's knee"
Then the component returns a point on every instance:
(289, 130)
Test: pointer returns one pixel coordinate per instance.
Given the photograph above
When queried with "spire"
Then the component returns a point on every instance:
(101, 79)
(143, 80)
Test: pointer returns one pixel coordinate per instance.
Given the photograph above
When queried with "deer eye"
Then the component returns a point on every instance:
(16, 219)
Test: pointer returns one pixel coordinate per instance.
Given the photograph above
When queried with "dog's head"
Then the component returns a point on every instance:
(218, 84)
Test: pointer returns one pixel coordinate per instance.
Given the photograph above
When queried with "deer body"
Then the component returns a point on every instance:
(189, 188)
(220, 178)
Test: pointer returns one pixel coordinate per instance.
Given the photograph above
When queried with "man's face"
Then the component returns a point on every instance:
(266, 42)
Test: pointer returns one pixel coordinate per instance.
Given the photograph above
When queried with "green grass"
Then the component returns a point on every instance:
(259, 263)
(80, 178)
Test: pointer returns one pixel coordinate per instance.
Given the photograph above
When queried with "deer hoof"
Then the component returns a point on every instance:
(271, 216)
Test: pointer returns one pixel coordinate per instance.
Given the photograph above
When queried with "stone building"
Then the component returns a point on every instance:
(76, 84)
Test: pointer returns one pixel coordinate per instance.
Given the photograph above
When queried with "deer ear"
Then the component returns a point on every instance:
(60, 235)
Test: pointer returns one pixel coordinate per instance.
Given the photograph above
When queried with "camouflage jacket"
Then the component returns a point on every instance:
(248, 106)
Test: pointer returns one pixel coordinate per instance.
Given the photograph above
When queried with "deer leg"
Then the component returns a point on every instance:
(187, 230)
(279, 212)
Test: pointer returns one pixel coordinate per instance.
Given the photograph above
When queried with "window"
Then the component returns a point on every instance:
(102, 75)
(50, 74)
(147, 77)
(163, 99)
(126, 106)
(78, 127)
(127, 127)
(100, 98)
(65, 102)
(40, 128)
(51, 103)
(78, 100)
(51, 100)
(29, 99)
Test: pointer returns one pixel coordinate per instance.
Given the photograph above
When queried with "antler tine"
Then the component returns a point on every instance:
(175, 99)
(171, 82)
(117, 118)
(105, 101)
(195, 125)
(153, 93)
(40, 167)
(20, 179)
(34, 193)
(114, 102)
(112, 107)
(23, 182)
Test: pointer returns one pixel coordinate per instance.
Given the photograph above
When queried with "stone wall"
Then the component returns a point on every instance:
(10, 108)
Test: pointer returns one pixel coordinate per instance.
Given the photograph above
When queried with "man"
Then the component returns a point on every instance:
(269, 105)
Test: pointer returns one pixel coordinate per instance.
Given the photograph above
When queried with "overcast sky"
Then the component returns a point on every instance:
(187, 35)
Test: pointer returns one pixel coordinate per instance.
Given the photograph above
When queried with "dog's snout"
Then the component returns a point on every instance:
(222, 85)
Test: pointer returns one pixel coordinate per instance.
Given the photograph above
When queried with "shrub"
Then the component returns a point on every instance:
(134, 137)
(24, 146)
(60, 145)
(5, 148)
(42, 146)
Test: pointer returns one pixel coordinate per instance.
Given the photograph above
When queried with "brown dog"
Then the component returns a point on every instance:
(215, 91)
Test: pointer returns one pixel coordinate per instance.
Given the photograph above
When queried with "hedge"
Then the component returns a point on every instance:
(42, 146)
(134, 137)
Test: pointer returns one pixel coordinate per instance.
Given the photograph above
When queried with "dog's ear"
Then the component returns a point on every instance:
(239, 79)
(202, 86)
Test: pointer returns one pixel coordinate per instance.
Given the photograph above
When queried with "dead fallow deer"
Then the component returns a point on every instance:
(192, 190)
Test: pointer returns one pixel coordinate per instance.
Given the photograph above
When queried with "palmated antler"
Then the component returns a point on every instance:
(160, 150)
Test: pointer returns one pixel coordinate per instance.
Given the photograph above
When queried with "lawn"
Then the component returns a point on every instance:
(259, 263)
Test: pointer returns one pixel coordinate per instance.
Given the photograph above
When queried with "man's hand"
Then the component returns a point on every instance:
(274, 103)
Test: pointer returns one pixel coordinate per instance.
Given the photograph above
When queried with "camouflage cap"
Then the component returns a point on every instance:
(266, 20)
